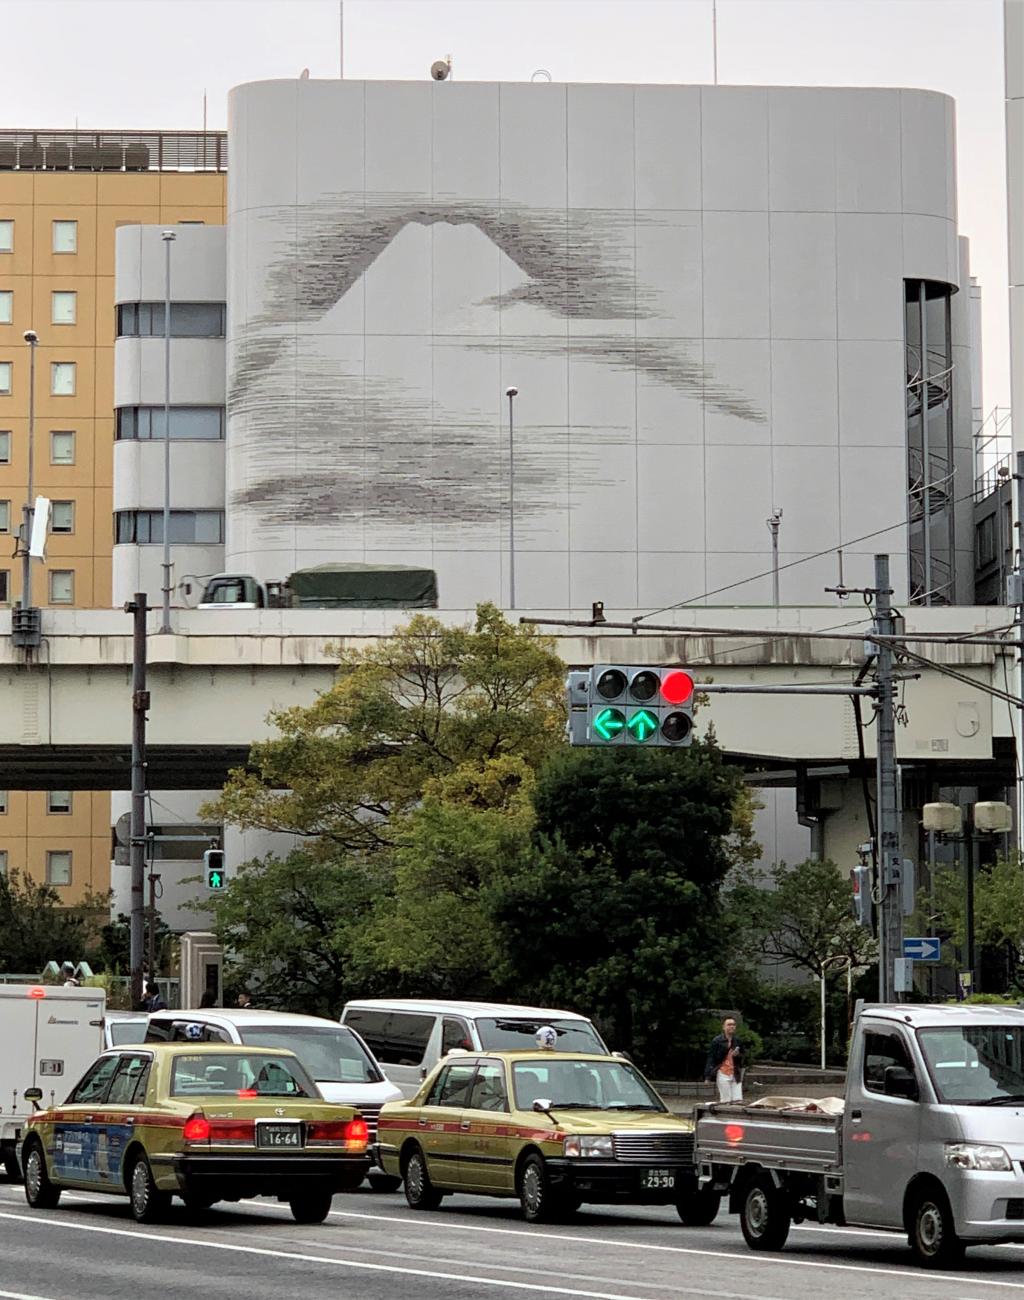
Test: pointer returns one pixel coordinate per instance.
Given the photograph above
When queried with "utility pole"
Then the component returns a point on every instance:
(1016, 597)
(889, 854)
(511, 393)
(137, 838)
(165, 625)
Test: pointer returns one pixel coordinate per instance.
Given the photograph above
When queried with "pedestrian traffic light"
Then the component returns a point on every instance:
(863, 908)
(630, 705)
(213, 865)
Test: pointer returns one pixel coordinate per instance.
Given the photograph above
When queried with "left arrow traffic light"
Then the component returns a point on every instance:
(620, 704)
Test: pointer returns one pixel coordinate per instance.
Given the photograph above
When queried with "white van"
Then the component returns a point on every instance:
(336, 1056)
(410, 1035)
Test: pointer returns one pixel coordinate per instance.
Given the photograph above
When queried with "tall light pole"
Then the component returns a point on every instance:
(32, 339)
(511, 394)
(168, 237)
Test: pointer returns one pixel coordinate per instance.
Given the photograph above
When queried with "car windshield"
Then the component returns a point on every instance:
(331, 1055)
(246, 1074)
(504, 1034)
(127, 1031)
(978, 1065)
(579, 1085)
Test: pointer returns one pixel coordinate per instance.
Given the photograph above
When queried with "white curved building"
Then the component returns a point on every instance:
(710, 300)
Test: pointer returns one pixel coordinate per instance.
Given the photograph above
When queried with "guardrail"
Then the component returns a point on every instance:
(114, 151)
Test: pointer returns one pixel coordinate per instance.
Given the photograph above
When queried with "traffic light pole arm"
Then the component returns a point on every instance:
(724, 688)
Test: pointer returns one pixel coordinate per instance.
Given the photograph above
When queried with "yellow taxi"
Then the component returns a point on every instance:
(200, 1121)
(555, 1129)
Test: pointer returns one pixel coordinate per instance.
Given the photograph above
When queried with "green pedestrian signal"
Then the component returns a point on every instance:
(608, 723)
(213, 864)
(642, 724)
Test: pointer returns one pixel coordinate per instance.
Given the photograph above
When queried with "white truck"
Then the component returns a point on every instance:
(928, 1140)
(49, 1036)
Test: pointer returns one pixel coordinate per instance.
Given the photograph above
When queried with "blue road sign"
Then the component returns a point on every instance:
(923, 949)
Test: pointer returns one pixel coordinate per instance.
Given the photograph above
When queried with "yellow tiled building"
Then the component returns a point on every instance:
(57, 278)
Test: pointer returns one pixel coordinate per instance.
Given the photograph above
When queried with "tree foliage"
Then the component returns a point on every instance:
(800, 917)
(36, 928)
(998, 911)
(616, 907)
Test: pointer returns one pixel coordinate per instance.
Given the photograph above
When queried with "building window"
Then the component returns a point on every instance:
(5, 446)
(65, 236)
(6, 306)
(201, 423)
(58, 801)
(62, 446)
(3, 862)
(6, 236)
(3, 803)
(6, 368)
(189, 320)
(62, 378)
(62, 517)
(64, 307)
(5, 516)
(58, 867)
(62, 587)
(137, 527)
(5, 594)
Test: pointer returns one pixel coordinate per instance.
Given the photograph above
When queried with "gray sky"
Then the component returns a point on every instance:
(146, 63)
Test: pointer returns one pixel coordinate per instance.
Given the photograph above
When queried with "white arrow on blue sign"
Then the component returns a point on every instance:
(924, 949)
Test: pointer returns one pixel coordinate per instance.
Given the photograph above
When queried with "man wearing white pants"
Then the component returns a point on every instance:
(724, 1065)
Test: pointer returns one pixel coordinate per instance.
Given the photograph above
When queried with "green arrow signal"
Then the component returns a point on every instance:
(608, 723)
(642, 724)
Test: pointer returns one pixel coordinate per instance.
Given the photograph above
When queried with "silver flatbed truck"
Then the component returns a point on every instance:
(928, 1140)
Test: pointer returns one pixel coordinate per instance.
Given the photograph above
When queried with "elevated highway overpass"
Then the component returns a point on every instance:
(66, 716)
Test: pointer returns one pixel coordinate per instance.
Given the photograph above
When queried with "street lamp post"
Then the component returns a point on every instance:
(826, 963)
(168, 237)
(32, 339)
(511, 394)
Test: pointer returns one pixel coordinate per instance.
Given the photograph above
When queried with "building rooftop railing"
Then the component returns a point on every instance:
(114, 151)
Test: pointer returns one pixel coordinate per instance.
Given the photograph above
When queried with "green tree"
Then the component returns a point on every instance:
(998, 911)
(616, 909)
(36, 928)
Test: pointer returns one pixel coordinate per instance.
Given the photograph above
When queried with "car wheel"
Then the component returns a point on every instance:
(40, 1193)
(698, 1206)
(539, 1203)
(11, 1168)
(148, 1202)
(384, 1182)
(764, 1217)
(311, 1206)
(932, 1235)
(420, 1192)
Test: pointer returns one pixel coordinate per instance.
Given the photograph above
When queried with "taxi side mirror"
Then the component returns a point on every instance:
(542, 1105)
(34, 1095)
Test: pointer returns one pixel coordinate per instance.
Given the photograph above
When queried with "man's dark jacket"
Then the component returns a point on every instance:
(717, 1054)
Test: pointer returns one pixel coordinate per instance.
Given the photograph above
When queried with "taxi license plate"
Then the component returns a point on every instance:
(656, 1180)
(278, 1135)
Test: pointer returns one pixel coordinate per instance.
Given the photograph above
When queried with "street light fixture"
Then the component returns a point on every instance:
(32, 339)
(511, 393)
(168, 237)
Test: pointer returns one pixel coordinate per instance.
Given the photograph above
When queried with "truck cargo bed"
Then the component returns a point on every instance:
(734, 1134)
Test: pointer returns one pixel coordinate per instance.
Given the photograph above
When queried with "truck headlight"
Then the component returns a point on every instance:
(600, 1146)
(977, 1155)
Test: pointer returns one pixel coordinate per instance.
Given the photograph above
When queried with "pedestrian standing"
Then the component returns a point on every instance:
(725, 1063)
(153, 1000)
(244, 1000)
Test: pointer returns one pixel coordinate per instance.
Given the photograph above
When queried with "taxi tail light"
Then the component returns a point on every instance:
(352, 1134)
(357, 1135)
(228, 1130)
(197, 1129)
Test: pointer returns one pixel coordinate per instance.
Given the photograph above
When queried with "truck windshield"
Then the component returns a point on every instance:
(583, 1085)
(330, 1055)
(503, 1035)
(976, 1065)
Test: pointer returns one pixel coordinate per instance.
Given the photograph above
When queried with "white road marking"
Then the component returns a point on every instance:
(758, 1259)
(17, 1295)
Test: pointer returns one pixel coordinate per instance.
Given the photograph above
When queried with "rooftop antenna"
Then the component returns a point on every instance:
(714, 36)
(341, 39)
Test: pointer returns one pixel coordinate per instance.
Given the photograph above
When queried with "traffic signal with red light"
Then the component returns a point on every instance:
(631, 705)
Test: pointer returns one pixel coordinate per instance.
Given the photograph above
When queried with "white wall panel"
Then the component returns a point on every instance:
(734, 154)
(803, 275)
(735, 275)
(801, 150)
(804, 392)
(667, 122)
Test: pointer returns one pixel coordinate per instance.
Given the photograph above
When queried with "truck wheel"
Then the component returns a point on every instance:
(698, 1206)
(933, 1237)
(311, 1206)
(764, 1218)
(384, 1182)
(420, 1192)
(148, 1203)
(11, 1167)
(39, 1191)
